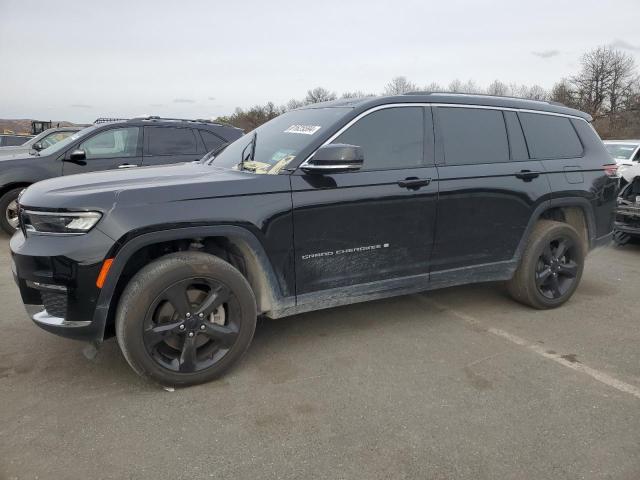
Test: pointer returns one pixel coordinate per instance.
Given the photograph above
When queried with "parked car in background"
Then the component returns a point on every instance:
(13, 140)
(40, 142)
(326, 205)
(627, 225)
(626, 153)
(124, 144)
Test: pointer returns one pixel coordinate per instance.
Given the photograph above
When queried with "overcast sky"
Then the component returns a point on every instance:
(79, 59)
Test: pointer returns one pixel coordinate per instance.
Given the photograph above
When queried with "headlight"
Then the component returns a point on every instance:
(61, 223)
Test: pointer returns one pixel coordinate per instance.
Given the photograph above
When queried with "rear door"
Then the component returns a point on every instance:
(164, 145)
(489, 188)
(117, 147)
(370, 225)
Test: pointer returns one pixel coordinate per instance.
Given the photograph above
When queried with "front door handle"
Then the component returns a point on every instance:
(527, 175)
(127, 165)
(414, 183)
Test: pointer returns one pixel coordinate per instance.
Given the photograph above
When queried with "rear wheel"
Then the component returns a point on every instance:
(185, 319)
(9, 221)
(551, 266)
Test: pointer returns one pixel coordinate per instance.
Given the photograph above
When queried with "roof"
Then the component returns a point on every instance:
(630, 140)
(455, 98)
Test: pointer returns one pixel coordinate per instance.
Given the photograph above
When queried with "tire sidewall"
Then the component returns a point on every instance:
(553, 233)
(144, 288)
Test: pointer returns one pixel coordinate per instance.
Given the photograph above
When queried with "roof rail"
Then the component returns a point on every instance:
(197, 120)
(459, 94)
(108, 120)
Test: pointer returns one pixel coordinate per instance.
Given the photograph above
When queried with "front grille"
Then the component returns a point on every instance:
(55, 303)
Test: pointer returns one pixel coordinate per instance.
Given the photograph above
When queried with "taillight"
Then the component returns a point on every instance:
(611, 169)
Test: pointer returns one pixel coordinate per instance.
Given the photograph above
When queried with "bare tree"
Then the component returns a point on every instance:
(593, 82)
(293, 104)
(434, 87)
(498, 88)
(399, 85)
(624, 80)
(455, 86)
(356, 94)
(536, 92)
(562, 93)
(318, 95)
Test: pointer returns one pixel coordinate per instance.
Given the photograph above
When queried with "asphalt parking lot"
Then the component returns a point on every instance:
(458, 383)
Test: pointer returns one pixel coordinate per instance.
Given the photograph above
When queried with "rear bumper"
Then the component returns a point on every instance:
(56, 277)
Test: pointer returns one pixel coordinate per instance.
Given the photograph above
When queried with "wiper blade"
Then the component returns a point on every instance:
(210, 157)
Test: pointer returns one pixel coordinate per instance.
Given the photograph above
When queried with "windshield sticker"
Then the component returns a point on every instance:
(303, 129)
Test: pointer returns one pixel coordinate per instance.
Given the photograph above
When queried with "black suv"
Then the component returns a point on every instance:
(123, 144)
(326, 205)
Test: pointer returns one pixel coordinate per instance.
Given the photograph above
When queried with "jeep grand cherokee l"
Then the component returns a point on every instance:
(326, 205)
(123, 144)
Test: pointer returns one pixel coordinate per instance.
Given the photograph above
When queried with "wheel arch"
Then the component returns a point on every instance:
(575, 211)
(232, 243)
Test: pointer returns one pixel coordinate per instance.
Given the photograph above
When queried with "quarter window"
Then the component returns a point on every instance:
(550, 136)
(113, 143)
(170, 141)
(390, 138)
(473, 135)
(211, 140)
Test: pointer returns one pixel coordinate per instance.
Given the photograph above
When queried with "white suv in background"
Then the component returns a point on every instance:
(626, 153)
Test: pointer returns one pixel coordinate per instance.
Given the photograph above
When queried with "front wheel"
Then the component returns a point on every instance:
(9, 221)
(185, 319)
(551, 266)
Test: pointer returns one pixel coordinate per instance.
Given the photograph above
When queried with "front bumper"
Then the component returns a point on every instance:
(56, 277)
(628, 219)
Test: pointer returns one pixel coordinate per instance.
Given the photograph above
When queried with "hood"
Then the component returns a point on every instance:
(17, 154)
(144, 185)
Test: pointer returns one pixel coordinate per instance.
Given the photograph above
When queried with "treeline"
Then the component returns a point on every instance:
(607, 86)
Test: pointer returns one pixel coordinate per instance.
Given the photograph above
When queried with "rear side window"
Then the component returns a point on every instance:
(473, 135)
(390, 138)
(211, 141)
(550, 136)
(170, 141)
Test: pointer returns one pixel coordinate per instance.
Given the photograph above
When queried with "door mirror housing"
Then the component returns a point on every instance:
(77, 155)
(37, 146)
(335, 158)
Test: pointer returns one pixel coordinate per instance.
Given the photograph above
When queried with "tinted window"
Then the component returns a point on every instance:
(550, 136)
(473, 135)
(390, 138)
(211, 141)
(170, 141)
(113, 143)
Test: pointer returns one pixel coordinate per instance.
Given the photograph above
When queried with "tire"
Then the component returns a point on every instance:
(6, 202)
(162, 342)
(534, 282)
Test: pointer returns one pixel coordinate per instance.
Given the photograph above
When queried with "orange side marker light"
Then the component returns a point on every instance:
(104, 271)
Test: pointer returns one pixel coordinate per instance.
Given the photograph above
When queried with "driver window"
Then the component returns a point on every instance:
(390, 138)
(114, 143)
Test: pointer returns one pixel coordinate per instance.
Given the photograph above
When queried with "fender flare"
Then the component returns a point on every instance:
(579, 202)
(271, 286)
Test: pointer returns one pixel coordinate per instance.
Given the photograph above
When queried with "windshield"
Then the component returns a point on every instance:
(621, 151)
(63, 143)
(278, 141)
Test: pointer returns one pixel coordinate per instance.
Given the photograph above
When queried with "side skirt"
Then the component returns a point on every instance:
(365, 292)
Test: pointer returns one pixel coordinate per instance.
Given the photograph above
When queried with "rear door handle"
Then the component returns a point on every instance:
(127, 165)
(527, 175)
(414, 183)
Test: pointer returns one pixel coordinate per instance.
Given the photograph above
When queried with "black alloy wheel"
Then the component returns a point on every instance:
(557, 268)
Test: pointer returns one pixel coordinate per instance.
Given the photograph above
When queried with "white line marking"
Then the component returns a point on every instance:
(602, 377)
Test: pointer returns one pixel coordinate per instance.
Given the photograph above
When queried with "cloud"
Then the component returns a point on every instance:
(625, 45)
(212, 98)
(156, 104)
(183, 100)
(546, 53)
(81, 105)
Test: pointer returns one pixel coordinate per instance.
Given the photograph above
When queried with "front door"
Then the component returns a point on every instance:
(117, 147)
(375, 224)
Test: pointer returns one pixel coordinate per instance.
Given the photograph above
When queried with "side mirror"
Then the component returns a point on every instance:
(37, 146)
(77, 155)
(334, 158)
